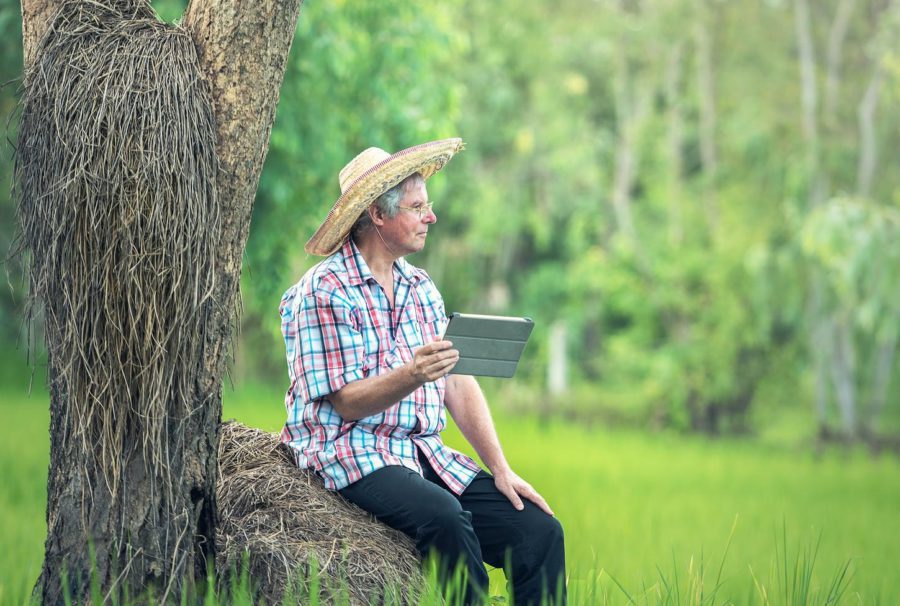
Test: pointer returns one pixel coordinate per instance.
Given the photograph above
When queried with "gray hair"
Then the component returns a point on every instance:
(388, 202)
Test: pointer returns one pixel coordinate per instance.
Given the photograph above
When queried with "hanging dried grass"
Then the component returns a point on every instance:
(284, 518)
(115, 172)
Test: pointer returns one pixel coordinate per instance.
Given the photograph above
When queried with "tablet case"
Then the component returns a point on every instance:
(489, 346)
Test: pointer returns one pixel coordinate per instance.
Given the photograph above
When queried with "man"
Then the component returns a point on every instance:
(369, 384)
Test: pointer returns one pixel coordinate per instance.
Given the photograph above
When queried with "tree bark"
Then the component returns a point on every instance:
(160, 536)
(36, 17)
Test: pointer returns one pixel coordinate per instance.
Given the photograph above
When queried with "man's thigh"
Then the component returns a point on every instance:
(402, 499)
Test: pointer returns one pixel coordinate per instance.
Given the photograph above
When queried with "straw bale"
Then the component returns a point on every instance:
(283, 517)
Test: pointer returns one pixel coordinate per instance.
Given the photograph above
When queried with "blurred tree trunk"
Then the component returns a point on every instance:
(884, 366)
(868, 151)
(243, 48)
(628, 111)
(675, 130)
(706, 88)
(843, 362)
(834, 58)
(885, 345)
(558, 364)
(821, 329)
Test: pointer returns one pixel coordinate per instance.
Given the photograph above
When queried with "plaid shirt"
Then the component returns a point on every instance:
(339, 327)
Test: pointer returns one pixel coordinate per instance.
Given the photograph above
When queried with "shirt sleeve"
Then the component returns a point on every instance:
(330, 350)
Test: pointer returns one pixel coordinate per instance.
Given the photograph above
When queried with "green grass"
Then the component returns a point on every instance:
(648, 517)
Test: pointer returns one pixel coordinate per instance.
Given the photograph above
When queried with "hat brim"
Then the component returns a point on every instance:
(425, 159)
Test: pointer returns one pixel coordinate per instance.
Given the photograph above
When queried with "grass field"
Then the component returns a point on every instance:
(648, 517)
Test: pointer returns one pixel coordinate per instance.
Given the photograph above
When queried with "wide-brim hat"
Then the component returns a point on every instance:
(369, 175)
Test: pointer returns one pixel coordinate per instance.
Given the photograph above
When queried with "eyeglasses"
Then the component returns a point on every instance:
(421, 209)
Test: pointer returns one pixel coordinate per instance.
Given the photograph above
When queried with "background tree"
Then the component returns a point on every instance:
(130, 521)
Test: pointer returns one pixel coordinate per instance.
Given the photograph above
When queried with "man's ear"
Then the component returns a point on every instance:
(376, 214)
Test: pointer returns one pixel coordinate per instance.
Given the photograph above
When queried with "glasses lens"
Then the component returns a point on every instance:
(421, 210)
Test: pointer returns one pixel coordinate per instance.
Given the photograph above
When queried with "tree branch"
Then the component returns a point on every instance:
(243, 49)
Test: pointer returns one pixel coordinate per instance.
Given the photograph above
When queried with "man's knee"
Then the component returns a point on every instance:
(541, 534)
(551, 533)
(538, 568)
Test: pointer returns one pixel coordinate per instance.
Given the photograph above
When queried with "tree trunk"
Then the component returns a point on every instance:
(868, 150)
(675, 139)
(884, 365)
(843, 363)
(821, 325)
(151, 534)
(557, 365)
(625, 163)
(834, 58)
(706, 88)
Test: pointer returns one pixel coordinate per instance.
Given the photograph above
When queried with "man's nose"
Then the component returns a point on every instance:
(430, 217)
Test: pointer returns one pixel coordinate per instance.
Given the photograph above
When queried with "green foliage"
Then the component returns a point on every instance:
(643, 174)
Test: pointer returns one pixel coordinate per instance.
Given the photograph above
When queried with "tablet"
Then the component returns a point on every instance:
(489, 346)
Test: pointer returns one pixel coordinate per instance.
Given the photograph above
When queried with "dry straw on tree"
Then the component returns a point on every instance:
(284, 519)
(115, 173)
(116, 180)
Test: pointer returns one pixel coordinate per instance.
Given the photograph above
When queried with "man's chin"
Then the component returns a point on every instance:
(416, 246)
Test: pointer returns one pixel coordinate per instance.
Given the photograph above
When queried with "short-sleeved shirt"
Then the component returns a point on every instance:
(339, 327)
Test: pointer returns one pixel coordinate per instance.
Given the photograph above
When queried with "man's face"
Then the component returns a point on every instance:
(406, 232)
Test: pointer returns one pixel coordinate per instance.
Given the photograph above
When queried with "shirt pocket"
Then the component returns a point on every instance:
(421, 327)
(433, 323)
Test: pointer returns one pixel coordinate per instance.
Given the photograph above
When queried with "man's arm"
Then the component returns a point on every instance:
(469, 409)
(372, 395)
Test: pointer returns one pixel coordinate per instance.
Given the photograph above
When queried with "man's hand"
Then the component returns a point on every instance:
(433, 361)
(514, 488)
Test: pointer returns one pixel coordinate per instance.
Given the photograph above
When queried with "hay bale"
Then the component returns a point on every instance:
(283, 517)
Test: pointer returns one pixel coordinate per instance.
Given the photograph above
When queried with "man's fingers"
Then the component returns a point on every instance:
(525, 490)
(510, 493)
(435, 346)
(532, 495)
(442, 361)
(432, 365)
(450, 358)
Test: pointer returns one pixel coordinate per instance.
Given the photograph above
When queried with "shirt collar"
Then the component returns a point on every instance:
(358, 270)
(406, 271)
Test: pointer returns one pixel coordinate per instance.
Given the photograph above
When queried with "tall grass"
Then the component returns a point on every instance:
(641, 512)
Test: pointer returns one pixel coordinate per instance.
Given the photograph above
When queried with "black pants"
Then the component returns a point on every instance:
(481, 525)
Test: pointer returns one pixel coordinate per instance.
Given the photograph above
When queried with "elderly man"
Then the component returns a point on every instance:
(369, 384)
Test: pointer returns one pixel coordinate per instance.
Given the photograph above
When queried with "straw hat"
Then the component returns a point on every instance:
(369, 175)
